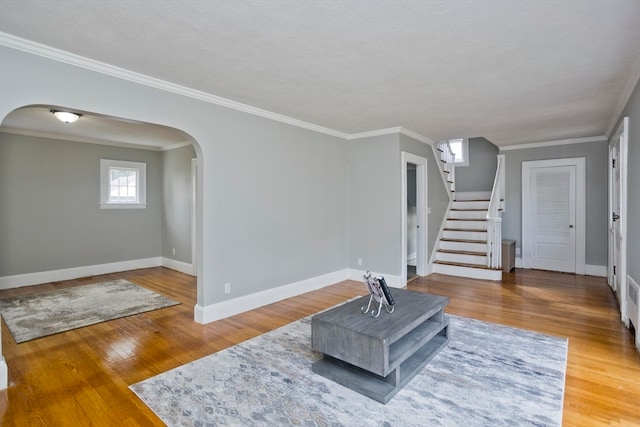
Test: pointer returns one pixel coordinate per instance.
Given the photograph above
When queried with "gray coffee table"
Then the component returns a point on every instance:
(378, 356)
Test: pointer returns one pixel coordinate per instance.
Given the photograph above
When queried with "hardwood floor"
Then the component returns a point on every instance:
(81, 377)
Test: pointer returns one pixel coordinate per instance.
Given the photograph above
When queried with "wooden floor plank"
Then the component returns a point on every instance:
(81, 377)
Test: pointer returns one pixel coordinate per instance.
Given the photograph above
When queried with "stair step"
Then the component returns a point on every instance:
(450, 251)
(470, 215)
(470, 204)
(461, 264)
(456, 233)
(455, 269)
(462, 240)
(473, 230)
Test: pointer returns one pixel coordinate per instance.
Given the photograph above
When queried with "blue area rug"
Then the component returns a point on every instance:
(489, 375)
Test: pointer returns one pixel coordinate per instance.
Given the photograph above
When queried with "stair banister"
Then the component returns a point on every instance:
(494, 217)
(448, 160)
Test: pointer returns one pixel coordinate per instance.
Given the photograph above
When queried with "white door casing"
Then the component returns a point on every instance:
(553, 215)
(618, 218)
(194, 235)
(422, 262)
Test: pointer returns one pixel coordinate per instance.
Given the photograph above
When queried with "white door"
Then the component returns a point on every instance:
(614, 222)
(553, 224)
(617, 268)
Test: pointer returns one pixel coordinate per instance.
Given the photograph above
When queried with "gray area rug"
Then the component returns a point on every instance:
(489, 375)
(36, 316)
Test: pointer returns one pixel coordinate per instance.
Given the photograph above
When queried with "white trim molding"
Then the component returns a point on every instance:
(211, 313)
(392, 280)
(28, 279)
(182, 267)
(45, 51)
(585, 140)
(595, 270)
(49, 52)
(590, 270)
(4, 374)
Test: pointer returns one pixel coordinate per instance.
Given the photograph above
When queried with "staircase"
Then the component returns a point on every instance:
(463, 247)
(469, 243)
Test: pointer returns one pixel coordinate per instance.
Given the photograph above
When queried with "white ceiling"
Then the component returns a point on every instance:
(512, 71)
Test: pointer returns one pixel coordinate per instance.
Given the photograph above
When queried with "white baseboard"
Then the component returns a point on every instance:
(180, 266)
(412, 259)
(213, 312)
(590, 270)
(393, 281)
(4, 374)
(595, 270)
(19, 280)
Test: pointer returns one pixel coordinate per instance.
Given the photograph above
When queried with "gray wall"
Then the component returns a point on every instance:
(438, 199)
(273, 197)
(632, 110)
(480, 173)
(50, 217)
(374, 204)
(596, 155)
(375, 200)
(177, 194)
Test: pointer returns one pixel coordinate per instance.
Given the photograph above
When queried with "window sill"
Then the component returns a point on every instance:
(123, 205)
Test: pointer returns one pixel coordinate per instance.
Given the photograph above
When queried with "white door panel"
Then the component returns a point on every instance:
(554, 210)
(553, 215)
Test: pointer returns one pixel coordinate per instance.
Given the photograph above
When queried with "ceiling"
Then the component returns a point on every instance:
(513, 72)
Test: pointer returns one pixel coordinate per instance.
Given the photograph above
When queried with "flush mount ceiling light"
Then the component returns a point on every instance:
(66, 116)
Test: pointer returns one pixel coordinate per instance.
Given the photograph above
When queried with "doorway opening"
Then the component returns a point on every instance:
(414, 260)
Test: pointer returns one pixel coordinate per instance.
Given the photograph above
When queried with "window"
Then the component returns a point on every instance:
(122, 184)
(460, 148)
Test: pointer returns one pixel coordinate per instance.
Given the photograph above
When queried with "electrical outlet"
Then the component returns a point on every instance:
(517, 251)
(173, 251)
(227, 288)
(428, 211)
(359, 261)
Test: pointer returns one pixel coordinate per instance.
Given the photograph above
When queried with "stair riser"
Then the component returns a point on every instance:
(463, 246)
(468, 225)
(468, 214)
(466, 235)
(470, 205)
(468, 272)
(462, 258)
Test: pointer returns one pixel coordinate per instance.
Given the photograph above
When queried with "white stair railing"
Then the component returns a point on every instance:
(447, 162)
(494, 217)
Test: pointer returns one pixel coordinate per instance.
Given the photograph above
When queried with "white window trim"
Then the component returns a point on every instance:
(465, 152)
(105, 165)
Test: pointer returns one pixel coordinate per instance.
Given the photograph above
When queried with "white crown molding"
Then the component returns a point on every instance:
(28, 46)
(71, 138)
(600, 138)
(390, 131)
(632, 80)
(175, 146)
(45, 51)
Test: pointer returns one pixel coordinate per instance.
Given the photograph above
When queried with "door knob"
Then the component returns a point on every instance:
(571, 226)
(616, 216)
